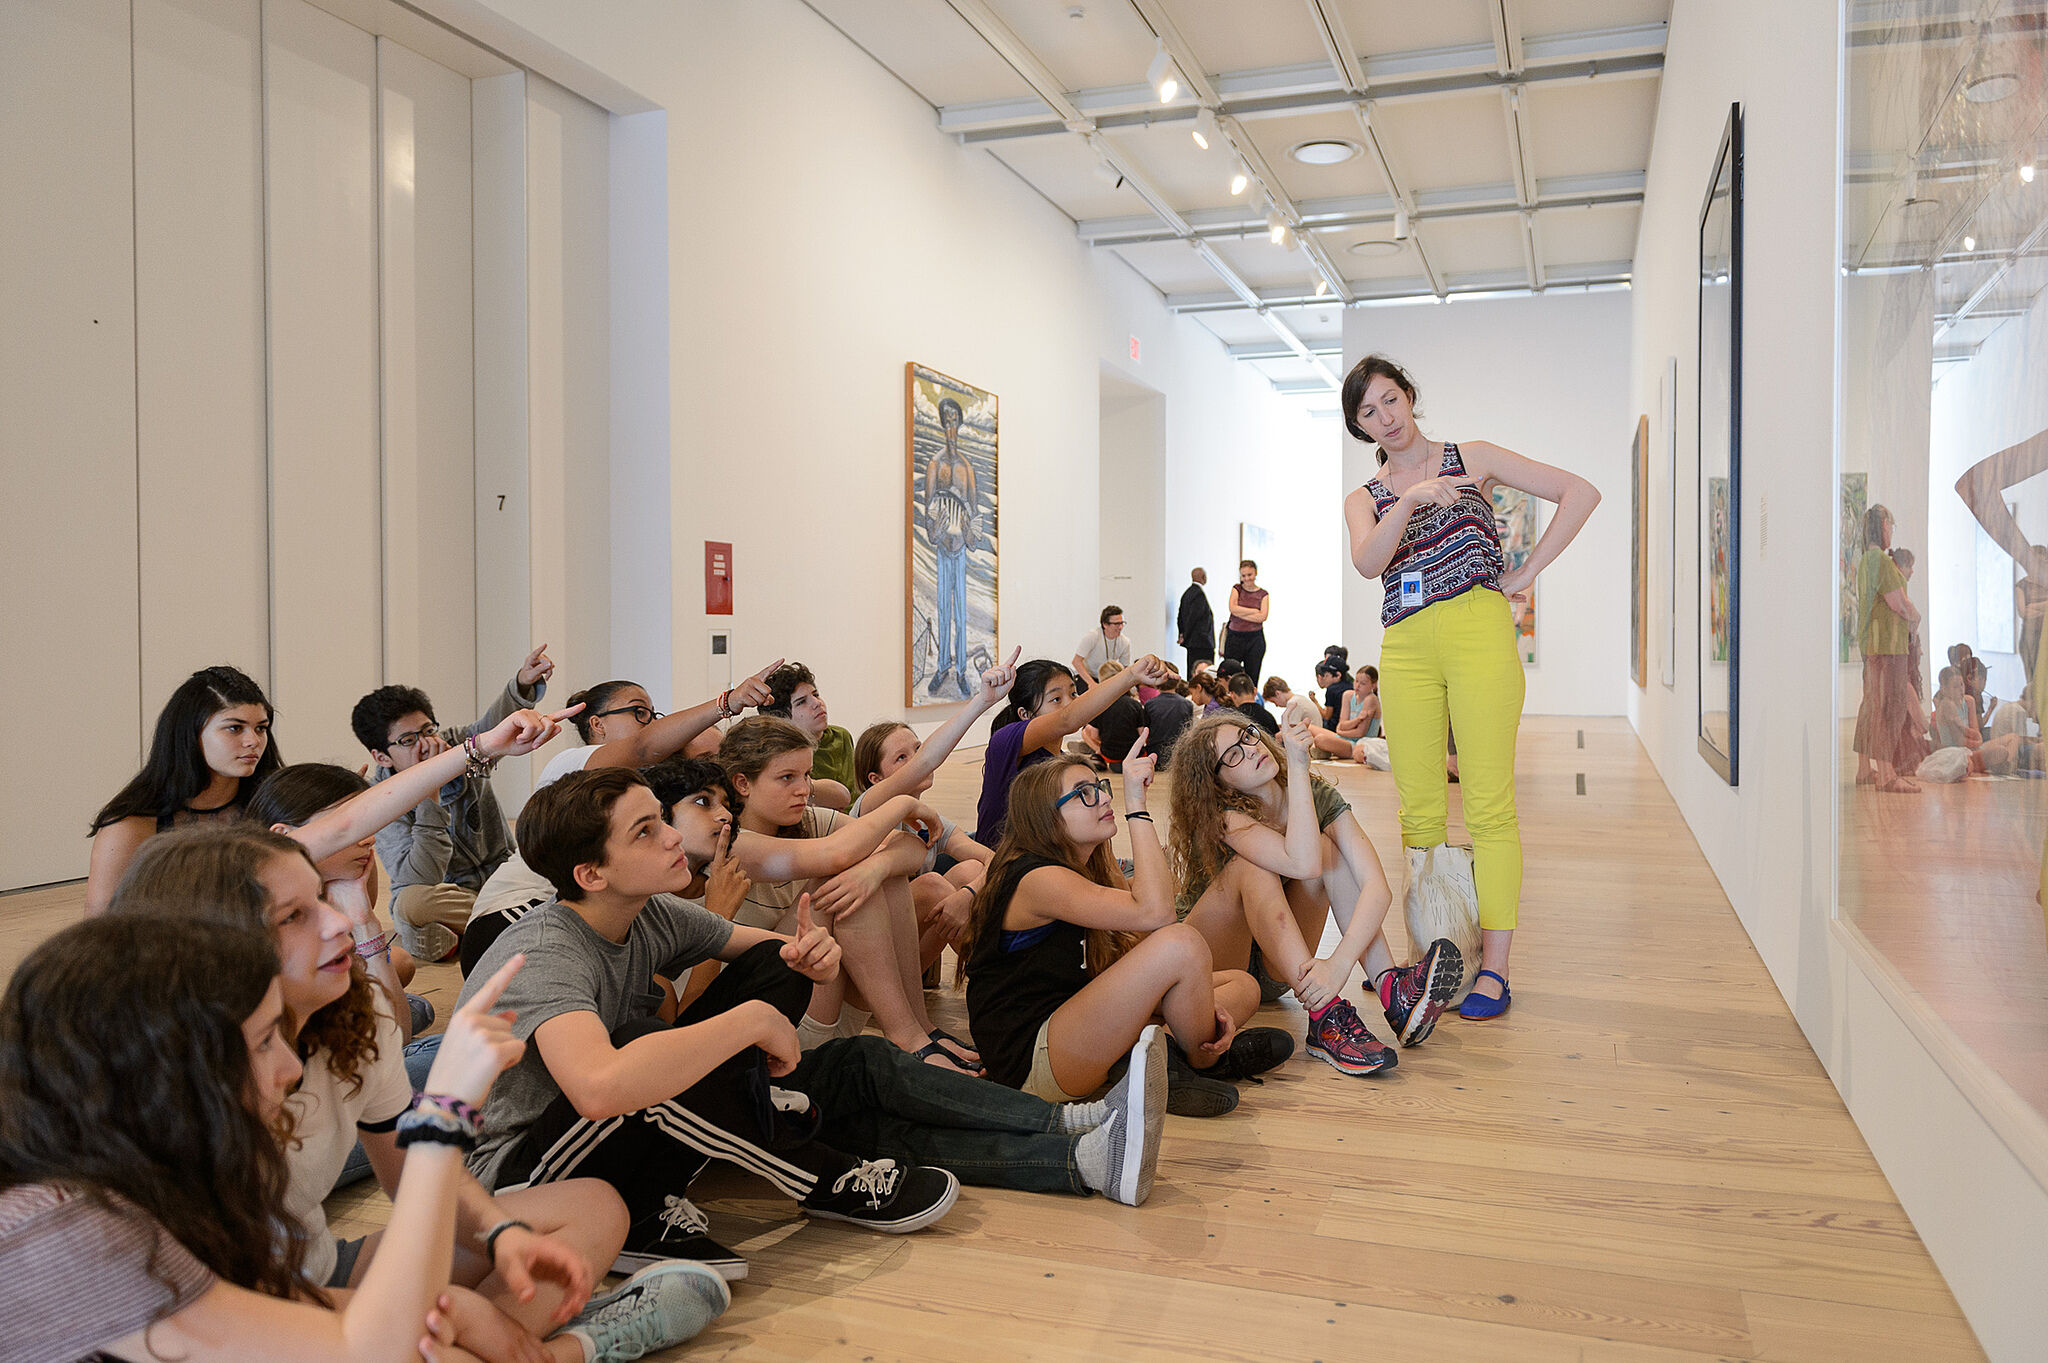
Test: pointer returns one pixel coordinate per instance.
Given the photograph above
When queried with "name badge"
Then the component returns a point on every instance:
(1411, 589)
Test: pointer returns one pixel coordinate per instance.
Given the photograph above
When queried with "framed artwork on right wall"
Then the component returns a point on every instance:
(1720, 459)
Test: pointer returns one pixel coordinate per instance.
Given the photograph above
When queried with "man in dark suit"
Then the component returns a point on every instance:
(1197, 624)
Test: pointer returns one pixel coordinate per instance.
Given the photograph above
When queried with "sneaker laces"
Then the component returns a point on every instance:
(876, 1179)
(681, 1214)
(625, 1328)
(1355, 1031)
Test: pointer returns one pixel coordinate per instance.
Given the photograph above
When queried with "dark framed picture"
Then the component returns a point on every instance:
(1720, 459)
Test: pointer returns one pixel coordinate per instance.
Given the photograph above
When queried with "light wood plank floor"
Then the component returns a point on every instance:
(1642, 1162)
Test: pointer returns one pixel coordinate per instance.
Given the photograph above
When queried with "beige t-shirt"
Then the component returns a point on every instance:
(325, 1113)
(1302, 708)
(768, 901)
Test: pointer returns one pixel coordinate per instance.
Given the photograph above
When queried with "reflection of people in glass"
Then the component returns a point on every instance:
(1904, 558)
(952, 515)
(1891, 731)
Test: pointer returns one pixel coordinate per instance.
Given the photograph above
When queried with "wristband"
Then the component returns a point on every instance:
(455, 1107)
(725, 710)
(1131, 814)
(426, 1126)
(370, 947)
(491, 1235)
(479, 765)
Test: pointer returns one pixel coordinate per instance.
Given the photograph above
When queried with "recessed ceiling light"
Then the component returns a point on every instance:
(1324, 152)
(1375, 248)
(1990, 89)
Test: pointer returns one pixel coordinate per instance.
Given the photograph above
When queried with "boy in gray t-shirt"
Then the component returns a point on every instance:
(614, 1086)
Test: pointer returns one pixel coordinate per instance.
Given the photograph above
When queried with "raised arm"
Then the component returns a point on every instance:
(932, 753)
(667, 736)
(1296, 853)
(362, 815)
(778, 859)
(523, 692)
(1046, 731)
(1574, 497)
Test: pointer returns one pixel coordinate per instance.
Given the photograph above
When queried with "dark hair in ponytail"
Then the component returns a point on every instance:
(175, 771)
(294, 795)
(592, 700)
(1029, 688)
(1363, 373)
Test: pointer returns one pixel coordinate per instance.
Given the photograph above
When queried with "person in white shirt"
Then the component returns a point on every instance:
(1104, 644)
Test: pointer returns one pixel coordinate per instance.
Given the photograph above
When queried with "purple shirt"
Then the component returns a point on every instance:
(999, 767)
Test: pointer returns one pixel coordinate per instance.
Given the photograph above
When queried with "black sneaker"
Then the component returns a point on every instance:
(677, 1231)
(1253, 1051)
(1191, 1092)
(885, 1196)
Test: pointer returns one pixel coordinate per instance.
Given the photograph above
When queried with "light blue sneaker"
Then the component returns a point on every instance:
(655, 1308)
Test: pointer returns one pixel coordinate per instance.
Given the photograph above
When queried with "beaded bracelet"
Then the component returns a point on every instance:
(372, 947)
(455, 1107)
(479, 765)
(725, 710)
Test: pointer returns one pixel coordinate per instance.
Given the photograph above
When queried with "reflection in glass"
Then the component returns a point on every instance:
(1944, 515)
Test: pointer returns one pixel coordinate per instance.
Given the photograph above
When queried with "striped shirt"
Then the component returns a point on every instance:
(81, 1277)
(1455, 548)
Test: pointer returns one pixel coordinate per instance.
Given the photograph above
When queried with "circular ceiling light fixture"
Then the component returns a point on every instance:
(1992, 88)
(1375, 247)
(1325, 152)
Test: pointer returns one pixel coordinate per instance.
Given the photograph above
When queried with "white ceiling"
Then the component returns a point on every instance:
(1516, 134)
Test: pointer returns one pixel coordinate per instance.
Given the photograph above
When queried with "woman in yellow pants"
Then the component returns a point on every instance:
(1424, 526)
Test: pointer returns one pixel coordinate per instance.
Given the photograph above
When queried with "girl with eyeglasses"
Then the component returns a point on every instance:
(211, 748)
(1265, 852)
(1044, 708)
(1069, 965)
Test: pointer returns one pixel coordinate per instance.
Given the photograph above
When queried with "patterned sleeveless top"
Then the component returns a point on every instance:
(1455, 547)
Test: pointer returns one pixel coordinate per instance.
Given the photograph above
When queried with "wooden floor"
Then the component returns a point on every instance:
(1641, 1162)
(1943, 884)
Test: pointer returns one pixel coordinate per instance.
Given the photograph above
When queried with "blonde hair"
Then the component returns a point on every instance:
(1035, 830)
(1202, 798)
(1108, 670)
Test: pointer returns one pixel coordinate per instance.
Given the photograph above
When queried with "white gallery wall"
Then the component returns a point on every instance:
(1546, 377)
(822, 232)
(240, 323)
(1980, 1211)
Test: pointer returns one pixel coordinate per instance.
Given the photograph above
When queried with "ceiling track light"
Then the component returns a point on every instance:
(1205, 130)
(1161, 76)
(2027, 171)
(1322, 287)
(1969, 243)
(1240, 178)
(1400, 224)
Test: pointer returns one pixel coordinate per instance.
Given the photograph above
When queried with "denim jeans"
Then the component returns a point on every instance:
(885, 1103)
(419, 1061)
(952, 613)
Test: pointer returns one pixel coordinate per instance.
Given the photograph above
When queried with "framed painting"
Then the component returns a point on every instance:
(1720, 446)
(1515, 521)
(1855, 501)
(951, 548)
(1639, 556)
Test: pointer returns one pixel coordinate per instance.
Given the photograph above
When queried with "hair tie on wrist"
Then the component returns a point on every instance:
(491, 1235)
(371, 947)
(1137, 814)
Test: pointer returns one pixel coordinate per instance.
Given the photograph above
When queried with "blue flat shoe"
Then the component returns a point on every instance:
(1479, 1005)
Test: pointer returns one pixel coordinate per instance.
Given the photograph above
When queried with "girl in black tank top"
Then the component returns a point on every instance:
(1051, 950)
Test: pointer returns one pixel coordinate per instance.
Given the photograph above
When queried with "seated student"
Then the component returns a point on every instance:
(857, 872)
(1059, 984)
(609, 1090)
(1043, 710)
(1333, 679)
(1292, 707)
(1244, 698)
(355, 1089)
(619, 727)
(440, 852)
(871, 1096)
(889, 760)
(1265, 852)
(794, 696)
(1207, 693)
(211, 747)
(1167, 715)
(1116, 728)
(1359, 718)
(148, 1230)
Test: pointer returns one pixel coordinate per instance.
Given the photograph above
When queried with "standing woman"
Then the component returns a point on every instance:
(1891, 730)
(212, 748)
(1244, 638)
(1424, 527)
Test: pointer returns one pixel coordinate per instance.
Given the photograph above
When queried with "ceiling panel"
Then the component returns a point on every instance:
(1230, 36)
(1590, 128)
(1597, 235)
(1446, 143)
(1171, 267)
(1168, 158)
(1108, 46)
(1378, 27)
(1543, 18)
(1459, 246)
(929, 47)
(1064, 170)
(1265, 266)
(1276, 139)
(1373, 264)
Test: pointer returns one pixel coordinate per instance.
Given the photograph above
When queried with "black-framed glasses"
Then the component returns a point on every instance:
(645, 714)
(408, 742)
(1089, 793)
(1247, 740)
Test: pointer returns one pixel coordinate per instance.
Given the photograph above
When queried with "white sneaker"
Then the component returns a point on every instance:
(655, 1308)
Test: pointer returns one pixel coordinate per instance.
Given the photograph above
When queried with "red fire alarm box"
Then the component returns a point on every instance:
(717, 578)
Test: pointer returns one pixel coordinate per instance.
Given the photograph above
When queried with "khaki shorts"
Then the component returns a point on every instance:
(1040, 1083)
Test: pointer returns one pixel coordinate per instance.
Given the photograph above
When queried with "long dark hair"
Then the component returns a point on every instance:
(293, 795)
(176, 769)
(1362, 374)
(1029, 688)
(124, 1074)
(1034, 830)
(213, 873)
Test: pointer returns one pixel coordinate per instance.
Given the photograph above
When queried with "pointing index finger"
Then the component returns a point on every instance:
(560, 715)
(485, 997)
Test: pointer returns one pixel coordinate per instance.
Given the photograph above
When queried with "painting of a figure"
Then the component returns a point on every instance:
(951, 525)
(1718, 587)
(1855, 501)
(1514, 520)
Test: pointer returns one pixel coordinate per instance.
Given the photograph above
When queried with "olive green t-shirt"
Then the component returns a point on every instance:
(1329, 803)
(833, 757)
(1884, 629)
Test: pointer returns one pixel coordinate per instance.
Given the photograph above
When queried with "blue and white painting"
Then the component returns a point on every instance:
(953, 551)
